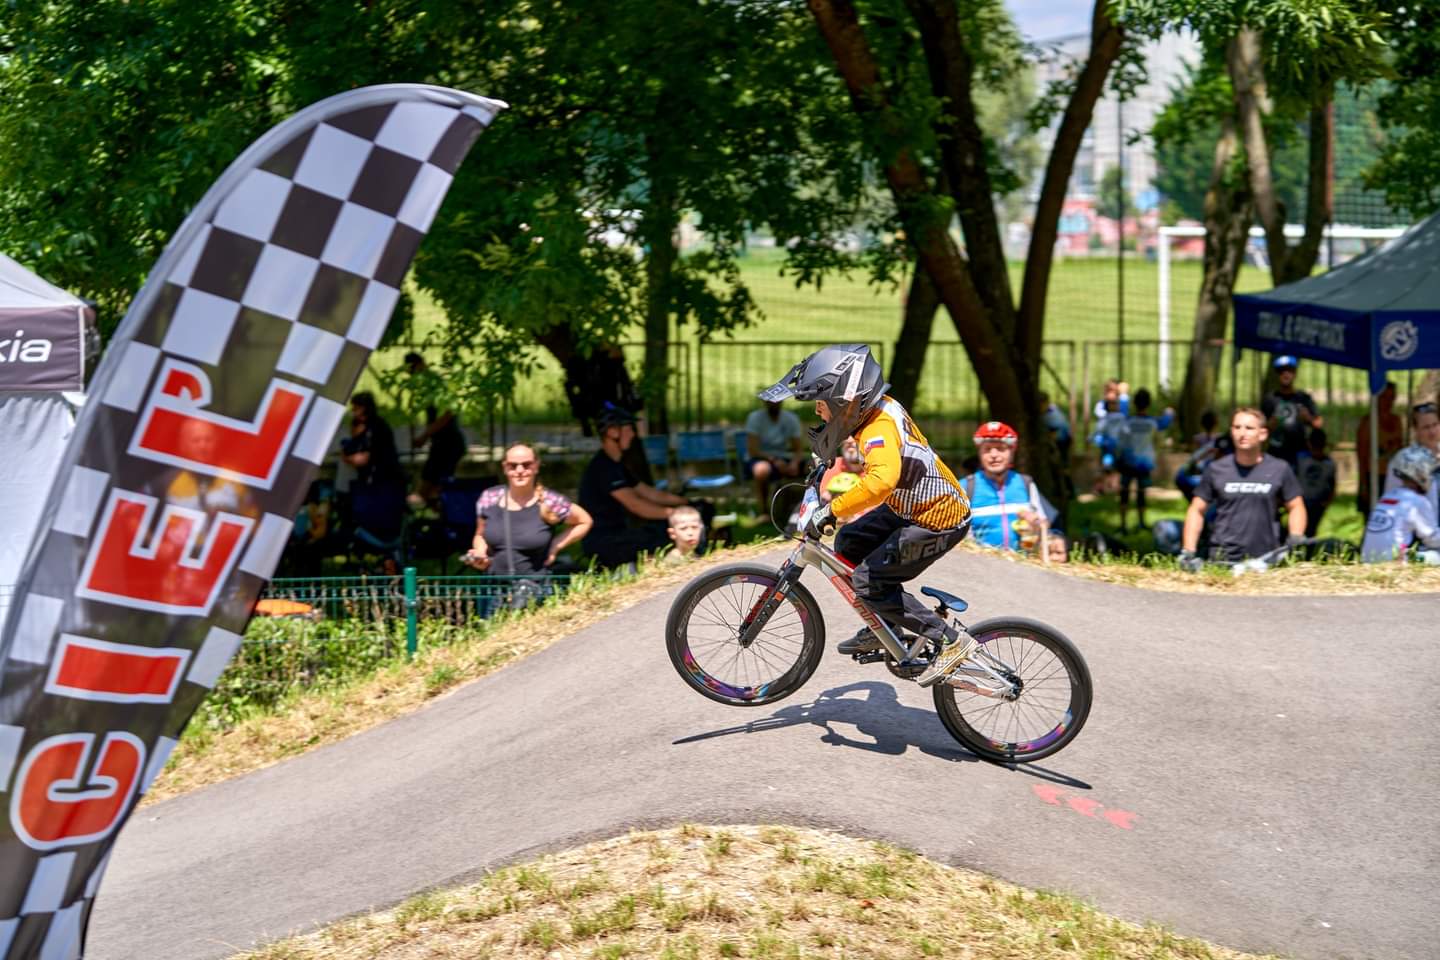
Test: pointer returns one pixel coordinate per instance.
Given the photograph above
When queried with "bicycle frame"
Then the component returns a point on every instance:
(973, 675)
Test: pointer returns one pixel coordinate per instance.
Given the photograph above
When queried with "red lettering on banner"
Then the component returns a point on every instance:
(86, 669)
(165, 576)
(175, 427)
(54, 804)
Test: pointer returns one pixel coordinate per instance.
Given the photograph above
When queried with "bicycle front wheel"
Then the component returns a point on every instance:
(703, 637)
(1054, 693)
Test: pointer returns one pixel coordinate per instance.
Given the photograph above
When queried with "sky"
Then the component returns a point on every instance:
(1048, 19)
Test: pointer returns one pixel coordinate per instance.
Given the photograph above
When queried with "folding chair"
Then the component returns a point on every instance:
(657, 454)
(453, 531)
(703, 446)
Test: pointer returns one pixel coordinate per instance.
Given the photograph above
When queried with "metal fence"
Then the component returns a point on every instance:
(713, 384)
(408, 598)
(1341, 393)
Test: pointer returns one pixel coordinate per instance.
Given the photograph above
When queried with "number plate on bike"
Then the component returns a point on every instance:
(808, 506)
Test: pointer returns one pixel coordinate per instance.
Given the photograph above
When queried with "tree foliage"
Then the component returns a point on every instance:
(1185, 131)
(1408, 167)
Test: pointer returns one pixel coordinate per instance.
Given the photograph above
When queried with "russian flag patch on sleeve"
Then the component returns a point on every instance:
(874, 442)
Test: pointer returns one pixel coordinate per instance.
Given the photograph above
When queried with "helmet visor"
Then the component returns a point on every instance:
(784, 389)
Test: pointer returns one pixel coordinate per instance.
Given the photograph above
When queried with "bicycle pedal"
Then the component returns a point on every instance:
(873, 656)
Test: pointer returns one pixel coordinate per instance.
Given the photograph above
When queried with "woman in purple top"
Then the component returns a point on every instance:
(515, 523)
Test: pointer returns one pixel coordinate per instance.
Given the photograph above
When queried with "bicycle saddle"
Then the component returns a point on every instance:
(946, 599)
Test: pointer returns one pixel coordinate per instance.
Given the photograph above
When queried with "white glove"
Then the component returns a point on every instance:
(822, 522)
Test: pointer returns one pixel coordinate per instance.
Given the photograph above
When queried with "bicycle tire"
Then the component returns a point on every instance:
(695, 657)
(1026, 725)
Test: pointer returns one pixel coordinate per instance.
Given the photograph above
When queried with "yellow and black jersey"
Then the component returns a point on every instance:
(902, 472)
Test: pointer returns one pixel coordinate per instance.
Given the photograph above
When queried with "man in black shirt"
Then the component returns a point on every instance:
(1248, 489)
(625, 510)
(1290, 413)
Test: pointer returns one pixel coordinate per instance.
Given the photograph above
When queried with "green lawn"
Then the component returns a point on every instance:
(717, 383)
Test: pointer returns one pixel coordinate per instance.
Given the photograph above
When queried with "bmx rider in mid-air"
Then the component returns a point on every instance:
(920, 511)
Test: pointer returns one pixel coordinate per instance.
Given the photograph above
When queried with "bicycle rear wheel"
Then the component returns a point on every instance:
(702, 635)
(1053, 703)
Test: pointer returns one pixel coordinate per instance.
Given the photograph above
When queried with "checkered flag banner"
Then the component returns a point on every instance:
(207, 420)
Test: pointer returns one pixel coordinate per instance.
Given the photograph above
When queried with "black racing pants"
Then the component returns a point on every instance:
(887, 551)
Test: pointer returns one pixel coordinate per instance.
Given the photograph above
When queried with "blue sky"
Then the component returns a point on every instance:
(1047, 19)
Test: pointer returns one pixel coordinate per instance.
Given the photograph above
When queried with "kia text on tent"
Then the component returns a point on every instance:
(27, 351)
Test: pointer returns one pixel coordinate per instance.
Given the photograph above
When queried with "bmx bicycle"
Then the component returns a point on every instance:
(748, 636)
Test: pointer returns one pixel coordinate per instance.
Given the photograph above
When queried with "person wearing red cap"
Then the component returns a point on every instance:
(1001, 495)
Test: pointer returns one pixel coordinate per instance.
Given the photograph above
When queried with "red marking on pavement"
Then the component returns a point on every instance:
(1047, 793)
(1123, 819)
(1084, 806)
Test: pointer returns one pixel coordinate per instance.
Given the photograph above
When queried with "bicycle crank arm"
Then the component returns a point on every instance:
(978, 678)
(961, 683)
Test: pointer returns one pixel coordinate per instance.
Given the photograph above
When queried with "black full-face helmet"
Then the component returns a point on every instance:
(850, 382)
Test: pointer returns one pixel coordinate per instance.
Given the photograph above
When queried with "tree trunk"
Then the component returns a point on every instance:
(1229, 208)
(924, 216)
(1105, 42)
(1245, 62)
(917, 322)
(657, 231)
(963, 160)
(1319, 199)
(1003, 349)
(1106, 39)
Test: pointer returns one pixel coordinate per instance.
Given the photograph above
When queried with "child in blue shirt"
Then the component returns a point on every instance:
(1137, 453)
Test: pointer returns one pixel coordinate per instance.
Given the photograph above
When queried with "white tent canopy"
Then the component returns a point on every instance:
(46, 336)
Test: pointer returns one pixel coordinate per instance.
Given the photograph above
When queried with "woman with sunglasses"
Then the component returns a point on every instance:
(515, 523)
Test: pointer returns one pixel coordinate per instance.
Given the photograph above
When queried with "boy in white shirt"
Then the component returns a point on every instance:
(1404, 515)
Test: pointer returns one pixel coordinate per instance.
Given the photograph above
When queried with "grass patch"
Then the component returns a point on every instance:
(237, 734)
(862, 910)
(1310, 578)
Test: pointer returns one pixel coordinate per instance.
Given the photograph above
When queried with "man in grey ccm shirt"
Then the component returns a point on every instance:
(1248, 489)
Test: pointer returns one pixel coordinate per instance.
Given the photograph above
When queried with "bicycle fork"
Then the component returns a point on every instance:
(768, 602)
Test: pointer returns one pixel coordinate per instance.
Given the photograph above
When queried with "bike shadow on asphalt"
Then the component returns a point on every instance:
(891, 726)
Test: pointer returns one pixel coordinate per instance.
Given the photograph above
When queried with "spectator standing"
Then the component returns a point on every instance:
(1248, 489)
(1137, 453)
(1425, 433)
(377, 494)
(1389, 441)
(1208, 433)
(370, 448)
(1107, 439)
(773, 449)
(515, 522)
(1290, 413)
(442, 435)
(1316, 472)
(1117, 391)
(1002, 498)
(625, 510)
(1405, 515)
(1058, 425)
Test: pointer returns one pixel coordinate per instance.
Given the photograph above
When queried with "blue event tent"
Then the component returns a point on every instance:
(1379, 312)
